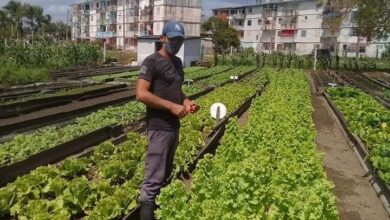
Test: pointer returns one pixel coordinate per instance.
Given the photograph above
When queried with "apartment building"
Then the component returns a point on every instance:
(121, 22)
(295, 26)
(350, 44)
(289, 26)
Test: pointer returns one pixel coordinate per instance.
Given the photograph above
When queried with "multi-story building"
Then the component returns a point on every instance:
(235, 16)
(277, 25)
(350, 44)
(121, 22)
(295, 26)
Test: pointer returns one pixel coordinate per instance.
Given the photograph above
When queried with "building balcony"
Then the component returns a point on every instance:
(237, 17)
(131, 19)
(268, 27)
(269, 14)
(286, 39)
(145, 18)
(105, 34)
(287, 13)
(291, 26)
(111, 8)
(238, 28)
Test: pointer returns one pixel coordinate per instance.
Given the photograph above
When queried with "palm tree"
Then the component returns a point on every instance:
(16, 12)
(4, 24)
(33, 13)
(43, 22)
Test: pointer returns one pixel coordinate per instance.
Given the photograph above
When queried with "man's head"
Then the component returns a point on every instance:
(173, 37)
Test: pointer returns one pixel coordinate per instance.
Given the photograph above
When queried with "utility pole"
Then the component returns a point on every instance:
(67, 24)
(315, 59)
(124, 25)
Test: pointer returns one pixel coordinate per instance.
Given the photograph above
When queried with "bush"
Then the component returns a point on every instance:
(19, 75)
(57, 56)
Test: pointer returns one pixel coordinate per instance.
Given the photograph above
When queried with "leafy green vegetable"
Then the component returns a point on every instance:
(25, 145)
(268, 169)
(369, 120)
(106, 184)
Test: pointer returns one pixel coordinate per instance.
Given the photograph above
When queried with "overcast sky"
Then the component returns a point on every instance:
(58, 8)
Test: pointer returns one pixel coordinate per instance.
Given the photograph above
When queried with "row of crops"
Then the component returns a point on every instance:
(48, 94)
(190, 73)
(105, 184)
(26, 64)
(268, 169)
(24, 145)
(369, 120)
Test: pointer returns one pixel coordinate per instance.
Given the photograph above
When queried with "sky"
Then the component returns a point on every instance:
(58, 8)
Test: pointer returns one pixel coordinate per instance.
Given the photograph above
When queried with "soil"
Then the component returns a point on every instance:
(244, 118)
(366, 85)
(356, 199)
(381, 76)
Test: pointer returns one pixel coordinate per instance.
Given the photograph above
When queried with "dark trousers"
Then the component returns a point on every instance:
(159, 161)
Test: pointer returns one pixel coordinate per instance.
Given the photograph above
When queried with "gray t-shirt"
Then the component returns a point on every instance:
(166, 77)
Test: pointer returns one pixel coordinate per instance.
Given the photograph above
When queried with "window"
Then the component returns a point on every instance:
(303, 33)
(362, 49)
(97, 5)
(120, 27)
(259, 22)
(158, 11)
(131, 27)
(240, 23)
(305, 18)
(91, 17)
(280, 20)
(249, 22)
(279, 33)
(250, 10)
(257, 37)
(242, 34)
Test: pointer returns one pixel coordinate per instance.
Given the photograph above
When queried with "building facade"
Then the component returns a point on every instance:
(295, 26)
(121, 22)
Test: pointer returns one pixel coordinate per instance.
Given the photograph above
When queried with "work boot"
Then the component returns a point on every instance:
(147, 210)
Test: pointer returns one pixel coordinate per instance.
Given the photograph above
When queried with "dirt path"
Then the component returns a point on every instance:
(243, 119)
(356, 199)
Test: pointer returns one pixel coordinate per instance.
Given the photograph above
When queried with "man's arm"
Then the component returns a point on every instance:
(144, 95)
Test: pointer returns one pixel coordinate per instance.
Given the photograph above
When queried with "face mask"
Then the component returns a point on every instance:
(173, 47)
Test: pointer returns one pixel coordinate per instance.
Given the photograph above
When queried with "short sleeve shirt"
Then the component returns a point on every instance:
(166, 77)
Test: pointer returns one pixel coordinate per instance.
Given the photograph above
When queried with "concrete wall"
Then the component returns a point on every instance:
(190, 51)
(148, 48)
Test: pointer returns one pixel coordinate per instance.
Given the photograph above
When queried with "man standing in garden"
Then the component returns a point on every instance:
(159, 88)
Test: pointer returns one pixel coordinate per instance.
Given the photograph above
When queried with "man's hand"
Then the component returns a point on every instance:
(179, 110)
(190, 106)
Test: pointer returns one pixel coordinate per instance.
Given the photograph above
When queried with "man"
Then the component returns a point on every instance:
(159, 88)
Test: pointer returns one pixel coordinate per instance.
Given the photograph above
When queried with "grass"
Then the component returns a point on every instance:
(22, 75)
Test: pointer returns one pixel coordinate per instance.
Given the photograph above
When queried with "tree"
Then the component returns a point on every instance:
(371, 17)
(33, 13)
(223, 36)
(4, 24)
(17, 19)
(16, 12)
